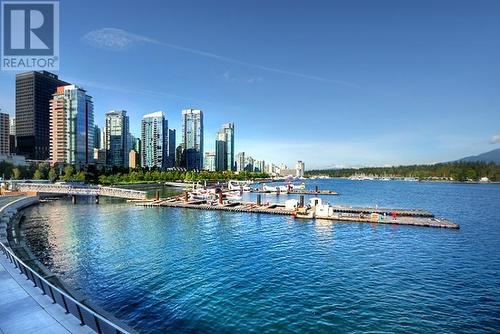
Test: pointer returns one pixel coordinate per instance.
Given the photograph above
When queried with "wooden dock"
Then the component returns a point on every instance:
(341, 213)
(297, 192)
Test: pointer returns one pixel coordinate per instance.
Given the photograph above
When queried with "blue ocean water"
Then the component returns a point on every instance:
(179, 270)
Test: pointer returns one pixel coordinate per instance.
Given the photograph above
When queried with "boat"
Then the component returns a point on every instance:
(239, 186)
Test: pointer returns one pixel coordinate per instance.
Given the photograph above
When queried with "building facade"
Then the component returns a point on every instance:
(240, 162)
(220, 152)
(34, 90)
(300, 169)
(12, 137)
(209, 161)
(171, 147)
(117, 142)
(192, 139)
(132, 159)
(4, 133)
(97, 136)
(154, 140)
(71, 124)
(259, 166)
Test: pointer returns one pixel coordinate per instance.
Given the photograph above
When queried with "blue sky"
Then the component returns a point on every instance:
(333, 83)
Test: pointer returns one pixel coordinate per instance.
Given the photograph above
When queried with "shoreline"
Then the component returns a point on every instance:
(15, 240)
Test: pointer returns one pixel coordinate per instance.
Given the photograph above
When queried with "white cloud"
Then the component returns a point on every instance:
(115, 39)
(495, 139)
(118, 40)
(227, 76)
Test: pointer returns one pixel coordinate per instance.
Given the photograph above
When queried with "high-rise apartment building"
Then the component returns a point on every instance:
(4, 133)
(209, 161)
(71, 124)
(259, 166)
(34, 90)
(154, 140)
(192, 139)
(117, 144)
(224, 148)
(240, 162)
(228, 130)
(12, 137)
(97, 136)
(171, 147)
(220, 152)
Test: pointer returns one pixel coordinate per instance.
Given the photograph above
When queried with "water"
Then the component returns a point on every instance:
(178, 270)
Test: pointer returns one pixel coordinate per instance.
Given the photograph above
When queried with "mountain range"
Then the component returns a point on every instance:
(490, 156)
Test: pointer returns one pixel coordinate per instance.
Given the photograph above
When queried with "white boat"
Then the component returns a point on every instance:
(239, 186)
(233, 196)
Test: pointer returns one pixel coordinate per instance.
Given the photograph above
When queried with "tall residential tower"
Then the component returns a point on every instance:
(34, 90)
(71, 126)
(154, 140)
(117, 142)
(192, 139)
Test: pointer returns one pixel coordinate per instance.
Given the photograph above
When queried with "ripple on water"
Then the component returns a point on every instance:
(165, 269)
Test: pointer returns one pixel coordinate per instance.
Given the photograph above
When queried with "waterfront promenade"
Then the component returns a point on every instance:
(23, 308)
(29, 303)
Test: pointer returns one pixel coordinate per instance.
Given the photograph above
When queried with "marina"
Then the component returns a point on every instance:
(316, 209)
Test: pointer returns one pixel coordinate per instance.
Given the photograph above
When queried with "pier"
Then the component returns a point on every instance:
(80, 190)
(334, 213)
(297, 192)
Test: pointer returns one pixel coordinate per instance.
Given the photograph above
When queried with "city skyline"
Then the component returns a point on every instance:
(357, 88)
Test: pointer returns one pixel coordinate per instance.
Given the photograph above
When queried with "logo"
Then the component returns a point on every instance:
(30, 35)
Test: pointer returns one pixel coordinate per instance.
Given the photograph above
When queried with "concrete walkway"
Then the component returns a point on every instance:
(23, 308)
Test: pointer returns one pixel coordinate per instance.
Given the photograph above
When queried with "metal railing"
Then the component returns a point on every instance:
(80, 311)
(85, 315)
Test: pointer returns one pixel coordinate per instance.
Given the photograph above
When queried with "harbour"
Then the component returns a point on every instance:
(316, 209)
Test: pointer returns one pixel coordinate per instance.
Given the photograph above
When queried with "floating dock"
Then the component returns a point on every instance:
(338, 213)
(296, 192)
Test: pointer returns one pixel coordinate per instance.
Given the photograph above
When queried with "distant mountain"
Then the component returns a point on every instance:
(491, 156)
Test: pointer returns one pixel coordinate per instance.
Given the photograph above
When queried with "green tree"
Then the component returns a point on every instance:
(16, 173)
(38, 175)
(68, 173)
(52, 175)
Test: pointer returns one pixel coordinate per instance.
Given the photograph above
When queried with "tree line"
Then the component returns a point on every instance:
(458, 171)
(91, 174)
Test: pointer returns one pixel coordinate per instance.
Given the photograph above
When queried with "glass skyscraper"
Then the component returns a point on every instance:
(117, 141)
(224, 148)
(154, 140)
(71, 126)
(192, 139)
(34, 90)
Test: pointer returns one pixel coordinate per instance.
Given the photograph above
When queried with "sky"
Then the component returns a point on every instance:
(332, 83)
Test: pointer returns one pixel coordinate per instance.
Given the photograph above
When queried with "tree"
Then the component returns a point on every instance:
(38, 175)
(68, 173)
(16, 173)
(52, 175)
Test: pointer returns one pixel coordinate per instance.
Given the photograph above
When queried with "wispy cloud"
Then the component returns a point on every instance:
(119, 40)
(495, 139)
(228, 76)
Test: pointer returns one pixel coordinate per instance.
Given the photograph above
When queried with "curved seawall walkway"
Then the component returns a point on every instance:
(23, 308)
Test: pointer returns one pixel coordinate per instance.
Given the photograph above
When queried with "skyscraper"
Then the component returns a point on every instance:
(12, 137)
(71, 126)
(192, 139)
(224, 148)
(137, 148)
(171, 147)
(97, 136)
(4, 133)
(154, 140)
(228, 130)
(240, 161)
(220, 152)
(117, 144)
(209, 161)
(34, 90)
